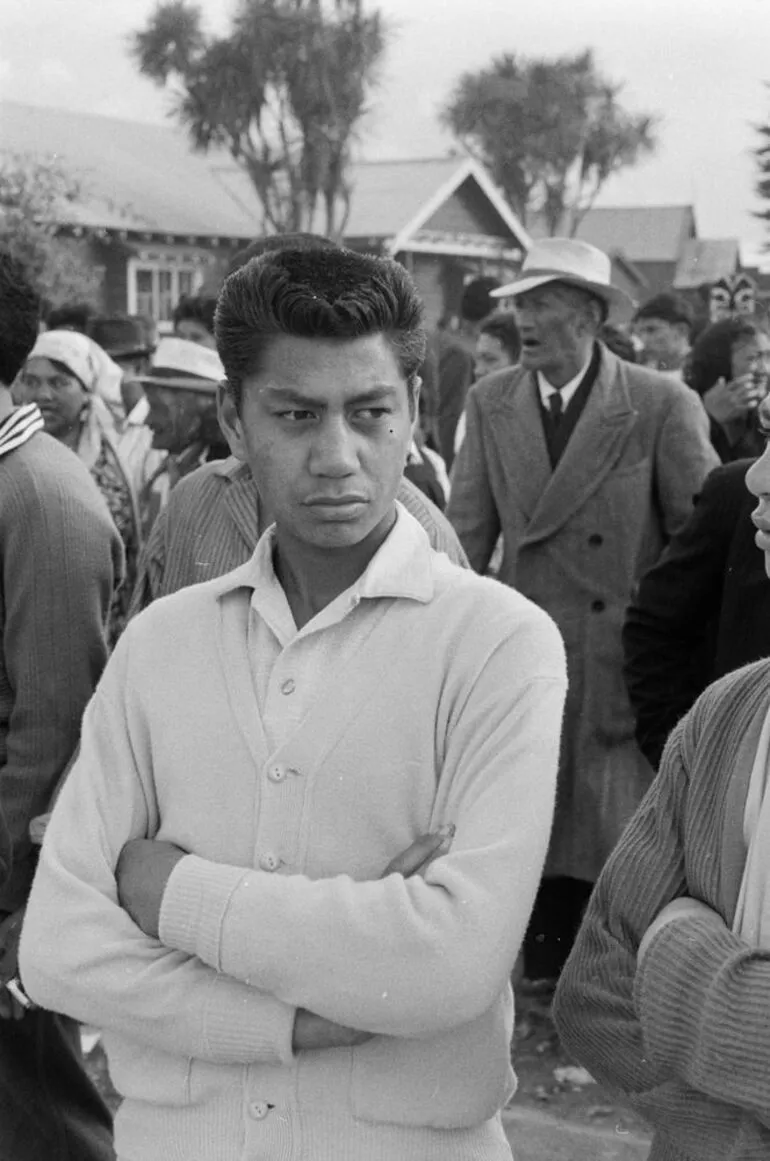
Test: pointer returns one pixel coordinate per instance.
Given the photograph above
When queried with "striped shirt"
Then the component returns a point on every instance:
(19, 426)
(214, 519)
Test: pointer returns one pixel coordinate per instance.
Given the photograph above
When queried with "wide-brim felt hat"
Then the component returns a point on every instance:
(576, 264)
(184, 366)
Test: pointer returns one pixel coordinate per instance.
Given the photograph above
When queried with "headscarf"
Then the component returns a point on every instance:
(84, 359)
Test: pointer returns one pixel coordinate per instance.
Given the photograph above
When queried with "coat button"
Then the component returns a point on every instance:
(269, 862)
(259, 1110)
(595, 539)
(277, 773)
(288, 687)
(598, 606)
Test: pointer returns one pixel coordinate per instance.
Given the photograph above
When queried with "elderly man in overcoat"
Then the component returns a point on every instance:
(585, 465)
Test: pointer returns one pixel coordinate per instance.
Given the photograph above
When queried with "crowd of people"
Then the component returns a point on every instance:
(457, 684)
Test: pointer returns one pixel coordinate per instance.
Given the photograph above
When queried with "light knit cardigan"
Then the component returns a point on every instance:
(685, 1036)
(449, 711)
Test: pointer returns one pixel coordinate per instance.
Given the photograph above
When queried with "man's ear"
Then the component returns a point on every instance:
(230, 421)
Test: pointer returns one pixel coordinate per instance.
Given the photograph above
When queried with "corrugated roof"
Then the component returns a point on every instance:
(705, 261)
(642, 233)
(388, 194)
(146, 177)
(136, 176)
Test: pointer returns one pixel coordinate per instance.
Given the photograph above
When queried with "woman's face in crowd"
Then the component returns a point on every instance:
(60, 395)
(751, 355)
(490, 355)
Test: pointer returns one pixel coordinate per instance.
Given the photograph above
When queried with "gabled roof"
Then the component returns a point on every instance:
(395, 199)
(642, 233)
(704, 261)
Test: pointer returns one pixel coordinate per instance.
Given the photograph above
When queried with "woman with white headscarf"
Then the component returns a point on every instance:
(61, 375)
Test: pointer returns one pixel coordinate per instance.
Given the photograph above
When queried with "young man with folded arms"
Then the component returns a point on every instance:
(220, 888)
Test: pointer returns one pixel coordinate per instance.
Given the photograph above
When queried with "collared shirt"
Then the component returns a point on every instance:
(290, 665)
(547, 389)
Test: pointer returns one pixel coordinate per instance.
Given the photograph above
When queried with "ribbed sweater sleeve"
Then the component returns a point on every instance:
(81, 954)
(628, 1030)
(407, 957)
(60, 556)
(703, 997)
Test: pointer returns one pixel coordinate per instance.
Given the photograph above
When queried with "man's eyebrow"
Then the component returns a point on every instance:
(294, 395)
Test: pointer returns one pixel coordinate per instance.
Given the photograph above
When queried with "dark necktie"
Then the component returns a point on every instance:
(556, 408)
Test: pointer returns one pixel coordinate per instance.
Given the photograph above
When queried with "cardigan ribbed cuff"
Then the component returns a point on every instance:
(192, 912)
(671, 984)
(194, 906)
(254, 1027)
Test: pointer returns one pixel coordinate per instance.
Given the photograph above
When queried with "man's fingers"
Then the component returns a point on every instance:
(421, 853)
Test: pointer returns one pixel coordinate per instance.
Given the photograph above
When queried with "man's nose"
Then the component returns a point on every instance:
(758, 476)
(334, 450)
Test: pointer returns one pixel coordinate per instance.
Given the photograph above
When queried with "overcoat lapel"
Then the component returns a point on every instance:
(518, 432)
(594, 448)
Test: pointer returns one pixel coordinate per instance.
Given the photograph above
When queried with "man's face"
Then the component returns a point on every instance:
(554, 328)
(325, 427)
(750, 355)
(195, 332)
(758, 483)
(174, 417)
(661, 340)
(490, 355)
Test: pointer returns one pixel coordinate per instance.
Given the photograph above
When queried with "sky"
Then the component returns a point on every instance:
(700, 64)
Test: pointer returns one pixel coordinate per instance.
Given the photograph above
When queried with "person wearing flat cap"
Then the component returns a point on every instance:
(181, 392)
(586, 465)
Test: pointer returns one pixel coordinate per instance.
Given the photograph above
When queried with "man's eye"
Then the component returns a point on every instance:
(296, 414)
(372, 412)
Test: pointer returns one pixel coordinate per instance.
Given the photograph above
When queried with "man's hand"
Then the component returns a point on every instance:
(143, 870)
(416, 859)
(10, 933)
(726, 402)
(677, 909)
(312, 1032)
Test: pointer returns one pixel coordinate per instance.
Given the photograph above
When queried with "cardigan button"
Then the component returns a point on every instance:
(269, 862)
(277, 773)
(259, 1110)
(598, 606)
(596, 539)
(288, 687)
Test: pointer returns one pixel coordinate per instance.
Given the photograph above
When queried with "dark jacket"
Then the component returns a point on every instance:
(702, 611)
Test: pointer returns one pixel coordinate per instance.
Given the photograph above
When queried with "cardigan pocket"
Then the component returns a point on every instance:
(144, 1074)
(456, 1080)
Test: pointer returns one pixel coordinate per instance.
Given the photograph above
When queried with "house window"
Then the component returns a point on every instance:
(154, 289)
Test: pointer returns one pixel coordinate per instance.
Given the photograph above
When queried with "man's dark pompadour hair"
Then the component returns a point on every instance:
(19, 317)
(316, 294)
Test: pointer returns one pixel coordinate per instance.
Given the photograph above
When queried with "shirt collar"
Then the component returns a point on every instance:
(401, 567)
(547, 389)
